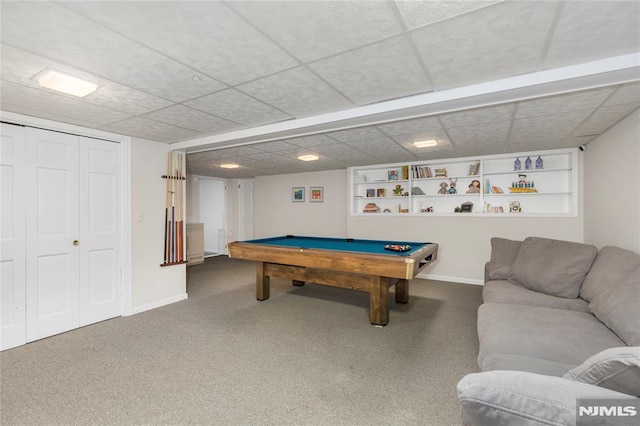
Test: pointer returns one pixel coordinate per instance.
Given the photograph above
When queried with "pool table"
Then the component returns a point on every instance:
(363, 265)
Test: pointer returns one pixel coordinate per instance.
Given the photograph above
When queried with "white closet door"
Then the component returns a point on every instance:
(12, 237)
(52, 228)
(100, 230)
(246, 210)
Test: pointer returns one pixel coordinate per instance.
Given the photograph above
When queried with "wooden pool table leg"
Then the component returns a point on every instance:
(262, 282)
(379, 301)
(402, 291)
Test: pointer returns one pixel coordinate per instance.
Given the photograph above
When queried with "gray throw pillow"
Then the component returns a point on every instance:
(503, 253)
(619, 308)
(617, 369)
(551, 266)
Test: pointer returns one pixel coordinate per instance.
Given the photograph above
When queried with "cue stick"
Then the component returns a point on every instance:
(166, 211)
(173, 209)
(180, 210)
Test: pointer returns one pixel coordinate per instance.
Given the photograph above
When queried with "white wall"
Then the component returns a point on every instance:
(192, 192)
(464, 241)
(153, 285)
(212, 213)
(612, 186)
(276, 214)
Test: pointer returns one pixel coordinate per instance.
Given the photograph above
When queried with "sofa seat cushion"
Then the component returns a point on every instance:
(558, 335)
(496, 361)
(551, 266)
(506, 292)
(619, 308)
(611, 265)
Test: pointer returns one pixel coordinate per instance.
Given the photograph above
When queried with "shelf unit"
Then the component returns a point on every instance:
(548, 191)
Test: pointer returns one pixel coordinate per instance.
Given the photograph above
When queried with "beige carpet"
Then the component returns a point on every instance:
(306, 356)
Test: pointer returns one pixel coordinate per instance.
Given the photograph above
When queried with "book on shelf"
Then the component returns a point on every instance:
(421, 172)
(492, 189)
(474, 168)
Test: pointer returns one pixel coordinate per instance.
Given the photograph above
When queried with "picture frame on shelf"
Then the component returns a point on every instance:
(371, 193)
(514, 207)
(381, 192)
(392, 175)
(316, 194)
(297, 194)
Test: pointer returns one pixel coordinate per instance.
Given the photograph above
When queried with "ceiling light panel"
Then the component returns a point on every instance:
(60, 82)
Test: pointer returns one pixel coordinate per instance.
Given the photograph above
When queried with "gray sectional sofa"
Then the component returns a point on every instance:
(560, 322)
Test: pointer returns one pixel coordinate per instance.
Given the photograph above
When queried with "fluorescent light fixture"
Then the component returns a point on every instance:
(309, 157)
(426, 144)
(55, 80)
(229, 166)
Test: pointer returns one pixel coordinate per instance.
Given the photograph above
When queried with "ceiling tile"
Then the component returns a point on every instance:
(562, 103)
(238, 107)
(189, 118)
(274, 146)
(544, 132)
(416, 125)
(297, 92)
(50, 30)
(310, 141)
(358, 134)
(190, 31)
(580, 35)
(604, 118)
(341, 152)
(380, 147)
(19, 67)
(314, 29)
(418, 13)
(481, 134)
(625, 94)
(381, 71)
(478, 116)
(152, 130)
(50, 104)
(496, 42)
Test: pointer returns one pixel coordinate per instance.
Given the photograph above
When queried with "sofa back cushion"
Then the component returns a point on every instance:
(551, 266)
(619, 308)
(610, 266)
(503, 253)
(617, 369)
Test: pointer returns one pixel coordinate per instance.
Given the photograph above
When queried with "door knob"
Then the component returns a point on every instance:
(76, 242)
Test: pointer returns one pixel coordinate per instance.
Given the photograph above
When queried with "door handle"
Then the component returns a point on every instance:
(76, 242)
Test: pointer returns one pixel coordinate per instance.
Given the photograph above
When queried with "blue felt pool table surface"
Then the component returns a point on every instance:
(339, 244)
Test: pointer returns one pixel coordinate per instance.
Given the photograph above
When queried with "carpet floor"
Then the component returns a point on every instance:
(306, 356)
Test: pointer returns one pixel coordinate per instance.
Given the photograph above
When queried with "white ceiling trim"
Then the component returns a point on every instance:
(606, 72)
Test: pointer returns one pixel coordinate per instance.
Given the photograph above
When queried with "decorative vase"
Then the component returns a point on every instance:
(539, 163)
(528, 163)
(517, 165)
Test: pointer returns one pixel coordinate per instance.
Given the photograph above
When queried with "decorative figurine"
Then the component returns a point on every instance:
(474, 187)
(443, 188)
(452, 186)
(528, 163)
(539, 163)
(517, 165)
(397, 191)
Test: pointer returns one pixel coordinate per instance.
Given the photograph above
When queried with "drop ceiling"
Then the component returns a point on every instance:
(354, 82)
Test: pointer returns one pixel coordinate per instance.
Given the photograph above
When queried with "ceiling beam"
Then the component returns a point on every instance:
(591, 75)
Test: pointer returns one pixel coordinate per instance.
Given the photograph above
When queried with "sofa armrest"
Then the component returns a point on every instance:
(521, 398)
(486, 272)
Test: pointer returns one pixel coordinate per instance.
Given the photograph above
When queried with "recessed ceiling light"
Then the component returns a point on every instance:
(229, 166)
(426, 144)
(64, 83)
(309, 157)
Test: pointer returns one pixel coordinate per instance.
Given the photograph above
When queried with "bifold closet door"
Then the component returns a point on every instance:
(12, 237)
(100, 230)
(52, 225)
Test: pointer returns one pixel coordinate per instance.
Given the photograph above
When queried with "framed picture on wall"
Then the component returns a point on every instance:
(316, 194)
(297, 194)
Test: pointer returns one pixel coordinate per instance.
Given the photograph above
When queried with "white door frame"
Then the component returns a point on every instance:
(127, 219)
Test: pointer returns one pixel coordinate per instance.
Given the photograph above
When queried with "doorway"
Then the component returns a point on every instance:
(212, 195)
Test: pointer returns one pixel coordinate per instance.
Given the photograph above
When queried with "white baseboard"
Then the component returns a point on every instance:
(451, 279)
(157, 304)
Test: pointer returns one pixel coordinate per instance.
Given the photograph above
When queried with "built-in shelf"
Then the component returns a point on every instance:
(555, 182)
